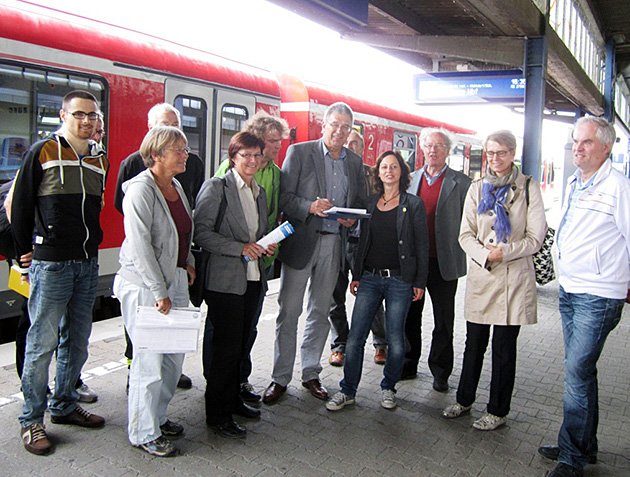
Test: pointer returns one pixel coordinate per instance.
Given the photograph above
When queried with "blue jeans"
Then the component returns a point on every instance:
(60, 306)
(398, 295)
(586, 322)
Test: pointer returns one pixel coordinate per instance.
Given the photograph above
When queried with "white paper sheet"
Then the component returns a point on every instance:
(177, 332)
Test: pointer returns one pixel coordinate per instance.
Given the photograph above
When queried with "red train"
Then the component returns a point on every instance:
(45, 54)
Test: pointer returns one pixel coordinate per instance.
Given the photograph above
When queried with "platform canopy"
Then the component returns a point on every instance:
(470, 35)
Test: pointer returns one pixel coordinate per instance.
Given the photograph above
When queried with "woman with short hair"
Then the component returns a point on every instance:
(235, 280)
(503, 225)
(156, 267)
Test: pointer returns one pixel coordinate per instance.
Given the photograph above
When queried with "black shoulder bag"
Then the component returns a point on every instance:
(202, 257)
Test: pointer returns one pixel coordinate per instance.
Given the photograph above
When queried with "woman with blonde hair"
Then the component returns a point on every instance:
(502, 227)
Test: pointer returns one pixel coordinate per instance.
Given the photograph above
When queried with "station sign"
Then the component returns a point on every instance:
(470, 87)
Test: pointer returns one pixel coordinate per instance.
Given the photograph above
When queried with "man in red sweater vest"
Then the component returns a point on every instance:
(443, 192)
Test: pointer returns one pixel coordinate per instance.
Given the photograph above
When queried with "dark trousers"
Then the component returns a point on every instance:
(245, 369)
(24, 323)
(231, 318)
(503, 366)
(442, 294)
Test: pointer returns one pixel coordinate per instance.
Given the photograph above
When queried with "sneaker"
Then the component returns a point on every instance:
(160, 447)
(489, 422)
(248, 394)
(380, 356)
(80, 417)
(35, 439)
(336, 359)
(171, 429)
(339, 401)
(388, 399)
(455, 410)
(184, 382)
(86, 394)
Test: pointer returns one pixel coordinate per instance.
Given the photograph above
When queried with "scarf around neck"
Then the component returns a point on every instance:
(494, 193)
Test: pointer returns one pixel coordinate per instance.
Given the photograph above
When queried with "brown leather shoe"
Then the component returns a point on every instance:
(273, 392)
(316, 389)
(380, 356)
(80, 417)
(336, 358)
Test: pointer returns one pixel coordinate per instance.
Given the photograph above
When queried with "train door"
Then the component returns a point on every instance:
(195, 104)
(233, 109)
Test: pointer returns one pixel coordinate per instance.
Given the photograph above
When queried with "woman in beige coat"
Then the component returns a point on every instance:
(499, 232)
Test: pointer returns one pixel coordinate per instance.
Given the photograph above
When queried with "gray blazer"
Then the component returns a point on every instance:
(227, 273)
(448, 217)
(303, 180)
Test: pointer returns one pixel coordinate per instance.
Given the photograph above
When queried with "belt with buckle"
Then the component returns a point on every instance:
(385, 272)
(322, 232)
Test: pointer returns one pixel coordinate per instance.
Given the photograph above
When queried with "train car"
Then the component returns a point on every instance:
(45, 53)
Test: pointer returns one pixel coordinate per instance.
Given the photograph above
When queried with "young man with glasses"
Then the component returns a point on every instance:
(58, 195)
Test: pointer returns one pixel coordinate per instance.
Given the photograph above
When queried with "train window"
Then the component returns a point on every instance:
(30, 100)
(233, 118)
(194, 112)
(405, 143)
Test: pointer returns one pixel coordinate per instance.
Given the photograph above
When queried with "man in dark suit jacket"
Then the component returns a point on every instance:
(443, 192)
(162, 114)
(316, 175)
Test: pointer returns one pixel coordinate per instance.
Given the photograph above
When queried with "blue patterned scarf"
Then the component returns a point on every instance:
(494, 192)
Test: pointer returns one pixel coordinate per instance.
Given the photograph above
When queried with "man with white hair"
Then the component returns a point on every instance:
(593, 245)
(162, 114)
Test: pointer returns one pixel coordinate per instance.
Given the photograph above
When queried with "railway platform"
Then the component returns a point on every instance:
(299, 437)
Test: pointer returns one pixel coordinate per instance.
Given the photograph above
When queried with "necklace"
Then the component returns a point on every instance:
(385, 201)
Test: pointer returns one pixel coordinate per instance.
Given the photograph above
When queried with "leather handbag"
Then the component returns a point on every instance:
(202, 258)
(543, 261)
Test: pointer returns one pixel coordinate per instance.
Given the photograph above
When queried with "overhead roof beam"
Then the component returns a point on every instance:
(500, 50)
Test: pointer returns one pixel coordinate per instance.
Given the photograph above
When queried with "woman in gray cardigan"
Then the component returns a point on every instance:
(156, 267)
(235, 280)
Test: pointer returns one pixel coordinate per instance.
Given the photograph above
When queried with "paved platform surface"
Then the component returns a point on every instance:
(299, 437)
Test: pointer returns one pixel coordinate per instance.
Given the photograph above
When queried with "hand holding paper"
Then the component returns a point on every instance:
(277, 235)
(335, 213)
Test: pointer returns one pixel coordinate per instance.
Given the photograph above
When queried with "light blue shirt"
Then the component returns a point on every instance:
(431, 179)
(336, 185)
(578, 188)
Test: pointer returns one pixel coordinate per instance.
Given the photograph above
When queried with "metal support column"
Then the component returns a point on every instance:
(609, 81)
(535, 67)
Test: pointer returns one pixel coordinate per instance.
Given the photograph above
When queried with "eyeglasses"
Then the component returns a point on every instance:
(435, 146)
(179, 150)
(81, 115)
(249, 156)
(341, 127)
(499, 154)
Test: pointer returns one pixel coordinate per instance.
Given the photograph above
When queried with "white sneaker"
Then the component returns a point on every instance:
(388, 399)
(86, 394)
(455, 410)
(339, 401)
(489, 422)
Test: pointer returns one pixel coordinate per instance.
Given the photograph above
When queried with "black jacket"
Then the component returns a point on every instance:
(413, 241)
(58, 196)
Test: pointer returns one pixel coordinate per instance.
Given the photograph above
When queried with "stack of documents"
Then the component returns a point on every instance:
(335, 213)
(176, 332)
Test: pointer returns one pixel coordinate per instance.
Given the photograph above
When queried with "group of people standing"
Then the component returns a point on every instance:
(421, 228)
